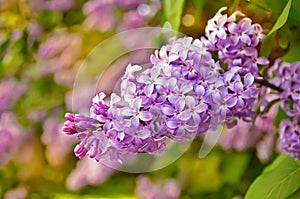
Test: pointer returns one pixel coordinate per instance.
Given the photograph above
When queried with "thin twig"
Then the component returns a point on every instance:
(268, 84)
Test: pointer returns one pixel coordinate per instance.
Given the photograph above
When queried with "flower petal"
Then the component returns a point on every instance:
(248, 79)
(128, 112)
(145, 116)
(238, 87)
(167, 110)
(144, 133)
(143, 78)
(135, 121)
(231, 102)
(155, 73)
(190, 101)
(180, 104)
(185, 115)
(200, 90)
(172, 124)
(201, 108)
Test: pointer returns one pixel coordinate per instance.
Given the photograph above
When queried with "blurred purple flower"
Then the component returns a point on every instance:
(17, 193)
(52, 5)
(148, 190)
(34, 32)
(58, 5)
(246, 135)
(101, 14)
(87, 172)
(59, 52)
(58, 145)
(10, 91)
(132, 19)
(127, 4)
(12, 136)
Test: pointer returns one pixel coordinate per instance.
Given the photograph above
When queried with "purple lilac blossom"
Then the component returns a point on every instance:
(148, 190)
(286, 76)
(290, 137)
(235, 42)
(179, 94)
(101, 14)
(10, 91)
(177, 99)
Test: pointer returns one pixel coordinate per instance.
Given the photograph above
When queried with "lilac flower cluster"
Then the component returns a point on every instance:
(177, 98)
(286, 76)
(236, 42)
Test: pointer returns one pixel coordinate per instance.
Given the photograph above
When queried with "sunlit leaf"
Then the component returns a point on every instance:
(293, 54)
(282, 18)
(173, 12)
(281, 114)
(199, 4)
(279, 180)
(267, 44)
(234, 167)
(269, 5)
(296, 5)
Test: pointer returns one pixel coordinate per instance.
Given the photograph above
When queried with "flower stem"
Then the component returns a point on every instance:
(265, 83)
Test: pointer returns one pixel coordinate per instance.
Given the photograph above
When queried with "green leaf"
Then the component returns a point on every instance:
(267, 44)
(293, 54)
(281, 114)
(269, 5)
(199, 4)
(234, 167)
(277, 181)
(296, 5)
(173, 12)
(282, 18)
(234, 6)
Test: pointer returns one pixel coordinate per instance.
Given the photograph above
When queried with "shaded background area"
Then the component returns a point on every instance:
(42, 45)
